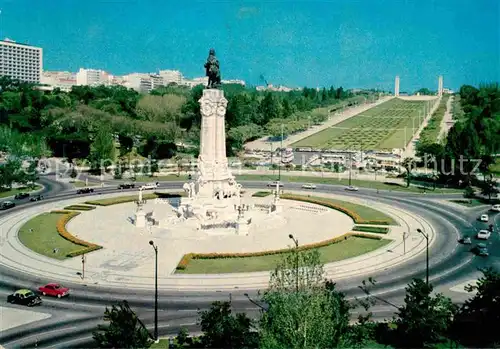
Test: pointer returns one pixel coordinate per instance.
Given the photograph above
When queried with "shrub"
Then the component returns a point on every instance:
(261, 194)
(469, 192)
(325, 202)
(183, 263)
(61, 229)
(378, 230)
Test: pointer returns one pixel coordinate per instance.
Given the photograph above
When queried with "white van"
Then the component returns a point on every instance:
(149, 186)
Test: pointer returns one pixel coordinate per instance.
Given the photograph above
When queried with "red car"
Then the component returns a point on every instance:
(54, 290)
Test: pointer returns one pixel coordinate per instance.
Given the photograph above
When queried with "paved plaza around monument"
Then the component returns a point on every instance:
(127, 258)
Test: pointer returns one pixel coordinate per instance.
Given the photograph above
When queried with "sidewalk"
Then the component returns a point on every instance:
(18, 257)
(264, 144)
(447, 121)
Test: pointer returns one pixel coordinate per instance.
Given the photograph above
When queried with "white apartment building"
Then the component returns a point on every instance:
(234, 81)
(195, 82)
(142, 82)
(93, 77)
(171, 76)
(20, 61)
(63, 80)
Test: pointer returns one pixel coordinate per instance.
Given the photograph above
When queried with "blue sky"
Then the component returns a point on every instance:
(353, 43)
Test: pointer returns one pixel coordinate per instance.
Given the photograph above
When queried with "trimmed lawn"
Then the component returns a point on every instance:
(380, 127)
(9, 192)
(261, 194)
(369, 229)
(81, 184)
(495, 168)
(341, 181)
(364, 212)
(44, 238)
(132, 198)
(148, 179)
(352, 247)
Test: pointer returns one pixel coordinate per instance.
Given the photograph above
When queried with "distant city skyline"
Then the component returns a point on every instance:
(354, 44)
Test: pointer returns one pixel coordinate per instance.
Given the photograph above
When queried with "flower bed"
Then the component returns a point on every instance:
(80, 208)
(61, 229)
(188, 257)
(132, 198)
(377, 230)
(335, 206)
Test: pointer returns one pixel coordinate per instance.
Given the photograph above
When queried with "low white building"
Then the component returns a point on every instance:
(93, 77)
(63, 80)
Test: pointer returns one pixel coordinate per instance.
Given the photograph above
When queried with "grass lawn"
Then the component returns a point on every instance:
(380, 127)
(9, 192)
(349, 248)
(364, 212)
(368, 229)
(495, 168)
(44, 238)
(160, 178)
(131, 198)
(341, 181)
(474, 202)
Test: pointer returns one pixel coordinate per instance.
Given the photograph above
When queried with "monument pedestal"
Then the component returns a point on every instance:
(242, 227)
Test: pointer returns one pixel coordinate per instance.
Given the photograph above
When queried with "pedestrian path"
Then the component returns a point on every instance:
(11, 317)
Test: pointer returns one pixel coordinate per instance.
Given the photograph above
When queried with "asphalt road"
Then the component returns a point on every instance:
(74, 318)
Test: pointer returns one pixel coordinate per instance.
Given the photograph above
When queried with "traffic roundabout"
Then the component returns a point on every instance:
(73, 318)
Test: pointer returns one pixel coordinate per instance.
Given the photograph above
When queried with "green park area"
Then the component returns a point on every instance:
(4, 192)
(386, 126)
(40, 235)
(351, 247)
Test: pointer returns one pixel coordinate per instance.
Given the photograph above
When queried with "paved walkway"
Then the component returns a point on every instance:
(16, 256)
(410, 148)
(11, 317)
(264, 144)
(447, 121)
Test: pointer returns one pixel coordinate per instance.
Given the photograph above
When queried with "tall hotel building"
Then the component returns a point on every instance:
(20, 61)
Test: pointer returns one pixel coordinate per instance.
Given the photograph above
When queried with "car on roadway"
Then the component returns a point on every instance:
(466, 240)
(149, 186)
(36, 198)
(6, 205)
(484, 218)
(54, 290)
(483, 234)
(126, 186)
(85, 191)
(20, 196)
(308, 186)
(481, 250)
(24, 297)
(351, 188)
(495, 208)
(274, 183)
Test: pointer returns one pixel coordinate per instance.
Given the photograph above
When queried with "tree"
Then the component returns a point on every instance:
(125, 330)
(424, 320)
(223, 330)
(478, 319)
(408, 165)
(102, 150)
(489, 187)
(303, 311)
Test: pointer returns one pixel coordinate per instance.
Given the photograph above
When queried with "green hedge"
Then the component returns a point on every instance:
(377, 230)
(261, 194)
(80, 208)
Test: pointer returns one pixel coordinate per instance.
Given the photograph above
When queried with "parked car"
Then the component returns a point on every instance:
(466, 240)
(149, 186)
(20, 196)
(495, 208)
(6, 205)
(24, 297)
(308, 186)
(126, 186)
(54, 290)
(85, 191)
(481, 250)
(36, 198)
(274, 183)
(483, 234)
(484, 218)
(351, 188)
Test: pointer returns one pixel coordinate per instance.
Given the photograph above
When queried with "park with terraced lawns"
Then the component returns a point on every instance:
(386, 126)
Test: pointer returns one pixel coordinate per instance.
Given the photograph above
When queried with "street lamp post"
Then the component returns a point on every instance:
(426, 236)
(156, 289)
(296, 242)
